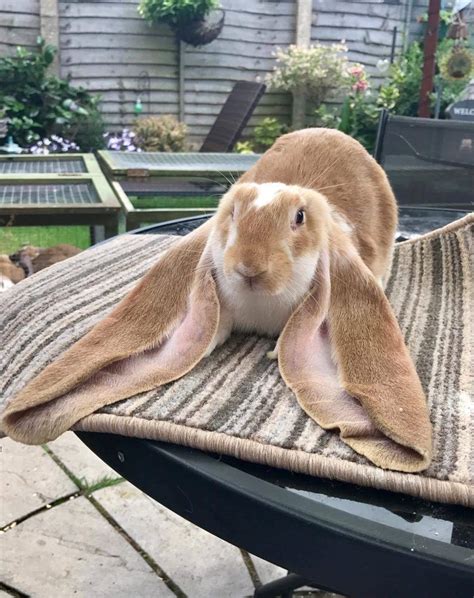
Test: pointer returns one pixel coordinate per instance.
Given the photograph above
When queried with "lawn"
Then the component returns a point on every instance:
(13, 237)
(175, 202)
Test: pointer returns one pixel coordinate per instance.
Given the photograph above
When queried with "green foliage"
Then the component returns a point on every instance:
(176, 12)
(445, 16)
(319, 72)
(88, 131)
(13, 237)
(160, 134)
(244, 147)
(360, 112)
(38, 104)
(267, 132)
(264, 136)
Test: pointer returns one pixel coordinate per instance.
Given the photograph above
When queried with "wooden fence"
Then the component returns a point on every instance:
(107, 48)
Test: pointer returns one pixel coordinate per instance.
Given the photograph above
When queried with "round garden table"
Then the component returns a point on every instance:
(331, 535)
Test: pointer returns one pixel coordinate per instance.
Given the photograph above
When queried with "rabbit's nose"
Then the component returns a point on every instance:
(248, 271)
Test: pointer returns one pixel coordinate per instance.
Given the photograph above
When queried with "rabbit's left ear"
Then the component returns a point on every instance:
(156, 334)
(343, 354)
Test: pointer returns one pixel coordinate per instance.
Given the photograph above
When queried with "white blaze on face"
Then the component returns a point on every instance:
(267, 193)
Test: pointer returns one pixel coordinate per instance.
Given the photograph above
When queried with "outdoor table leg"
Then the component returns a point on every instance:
(281, 587)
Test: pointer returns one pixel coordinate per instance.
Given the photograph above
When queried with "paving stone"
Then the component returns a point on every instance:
(267, 571)
(202, 565)
(83, 463)
(29, 479)
(71, 550)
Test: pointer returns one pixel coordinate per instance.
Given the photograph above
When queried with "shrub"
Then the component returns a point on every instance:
(176, 12)
(360, 111)
(319, 72)
(39, 105)
(160, 134)
(267, 132)
(264, 136)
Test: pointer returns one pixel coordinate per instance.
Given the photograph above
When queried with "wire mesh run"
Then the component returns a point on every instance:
(49, 194)
(40, 166)
(181, 161)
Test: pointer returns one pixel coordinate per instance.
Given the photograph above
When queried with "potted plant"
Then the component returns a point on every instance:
(196, 22)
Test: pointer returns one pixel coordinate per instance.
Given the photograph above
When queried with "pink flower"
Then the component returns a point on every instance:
(356, 71)
(360, 86)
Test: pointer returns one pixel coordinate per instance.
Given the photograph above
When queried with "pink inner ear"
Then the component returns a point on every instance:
(308, 368)
(153, 367)
(311, 367)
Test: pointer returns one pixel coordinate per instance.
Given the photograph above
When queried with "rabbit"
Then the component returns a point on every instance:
(33, 259)
(298, 249)
(268, 235)
(10, 274)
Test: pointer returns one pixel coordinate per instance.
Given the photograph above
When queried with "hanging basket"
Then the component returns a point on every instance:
(201, 31)
(458, 65)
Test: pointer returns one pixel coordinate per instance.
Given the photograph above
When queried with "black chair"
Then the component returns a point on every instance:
(233, 117)
(430, 163)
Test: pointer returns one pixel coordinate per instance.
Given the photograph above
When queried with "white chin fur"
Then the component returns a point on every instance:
(5, 283)
(253, 310)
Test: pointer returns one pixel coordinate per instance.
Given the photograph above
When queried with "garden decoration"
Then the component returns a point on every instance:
(458, 26)
(194, 22)
(11, 147)
(459, 64)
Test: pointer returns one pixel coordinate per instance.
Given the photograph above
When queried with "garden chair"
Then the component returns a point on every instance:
(430, 163)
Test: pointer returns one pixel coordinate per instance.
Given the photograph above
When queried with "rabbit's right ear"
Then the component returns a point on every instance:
(156, 334)
(343, 354)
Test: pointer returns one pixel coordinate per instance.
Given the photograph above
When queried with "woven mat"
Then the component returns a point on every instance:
(236, 402)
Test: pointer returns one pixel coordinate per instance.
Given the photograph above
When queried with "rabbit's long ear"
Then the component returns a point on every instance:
(343, 354)
(157, 333)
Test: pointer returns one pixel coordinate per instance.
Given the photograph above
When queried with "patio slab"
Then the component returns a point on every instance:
(202, 565)
(71, 550)
(267, 571)
(29, 480)
(80, 460)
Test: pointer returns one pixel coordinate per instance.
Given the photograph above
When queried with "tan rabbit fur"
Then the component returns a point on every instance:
(298, 248)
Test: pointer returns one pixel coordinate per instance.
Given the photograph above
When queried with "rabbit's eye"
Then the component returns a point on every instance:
(300, 217)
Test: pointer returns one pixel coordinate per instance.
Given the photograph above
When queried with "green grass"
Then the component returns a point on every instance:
(175, 202)
(13, 237)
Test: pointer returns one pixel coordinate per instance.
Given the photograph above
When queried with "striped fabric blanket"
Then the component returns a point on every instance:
(236, 402)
